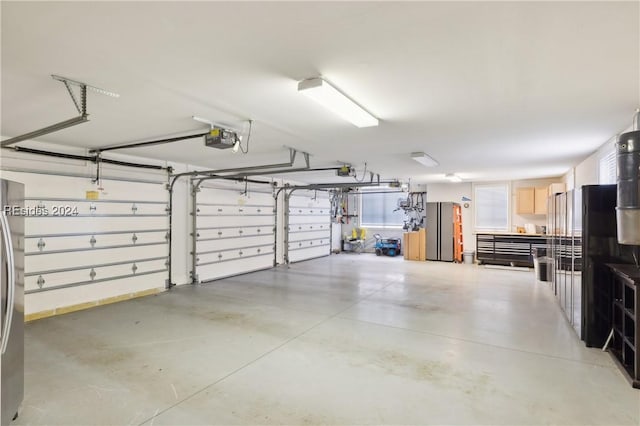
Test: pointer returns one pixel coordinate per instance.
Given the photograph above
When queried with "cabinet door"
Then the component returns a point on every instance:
(540, 200)
(525, 200)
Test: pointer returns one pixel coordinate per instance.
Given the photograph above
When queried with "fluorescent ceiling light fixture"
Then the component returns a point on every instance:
(424, 159)
(332, 99)
(453, 177)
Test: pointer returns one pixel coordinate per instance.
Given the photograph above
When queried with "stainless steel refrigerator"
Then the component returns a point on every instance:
(439, 224)
(12, 303)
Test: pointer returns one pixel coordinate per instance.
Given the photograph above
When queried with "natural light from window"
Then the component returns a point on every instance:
(377, 209)
(492, 207)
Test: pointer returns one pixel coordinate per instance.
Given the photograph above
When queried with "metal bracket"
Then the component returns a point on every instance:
(41, 244)
(93, 241)
(134, 208)
(134, 268)
(92, 274)
(134, 238)
(93, 208)
(40, 281)
(80, 104)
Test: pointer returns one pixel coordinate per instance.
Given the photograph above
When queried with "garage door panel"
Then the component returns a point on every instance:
(307, 236)
(238, 242)
(237, 221)
(310, 252)
(58, 278)
(37, 262)
(234, 233)
(75, 207)
(244, 210)
(309, 226)
(224, 255)
(69, 241)
(65, 188)
(235, 267)
(70, 225)
(53, 243)
(67, 296)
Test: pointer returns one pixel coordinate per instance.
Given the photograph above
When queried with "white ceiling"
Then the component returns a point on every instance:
(492, 90)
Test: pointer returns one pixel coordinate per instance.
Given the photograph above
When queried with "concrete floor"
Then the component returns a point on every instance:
(347, 339)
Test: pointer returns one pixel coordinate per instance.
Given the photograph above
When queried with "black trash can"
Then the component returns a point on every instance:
(540, 263)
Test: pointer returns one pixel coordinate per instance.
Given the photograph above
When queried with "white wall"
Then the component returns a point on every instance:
(181, 229)
(586, 172)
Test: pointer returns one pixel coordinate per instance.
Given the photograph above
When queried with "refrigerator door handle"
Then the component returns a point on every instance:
(8, 246)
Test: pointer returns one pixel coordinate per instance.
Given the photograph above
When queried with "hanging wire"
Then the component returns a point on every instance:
(243, 150)
(364, 174)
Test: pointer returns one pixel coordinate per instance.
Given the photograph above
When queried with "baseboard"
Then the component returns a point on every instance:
(87, 305)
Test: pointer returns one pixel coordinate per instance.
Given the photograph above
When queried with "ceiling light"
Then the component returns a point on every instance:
(424, 159)
(453, 177)
(332, 99)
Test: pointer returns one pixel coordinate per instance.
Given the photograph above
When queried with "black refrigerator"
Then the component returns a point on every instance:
(599, 247)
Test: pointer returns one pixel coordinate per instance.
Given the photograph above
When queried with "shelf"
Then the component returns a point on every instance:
(625, 280)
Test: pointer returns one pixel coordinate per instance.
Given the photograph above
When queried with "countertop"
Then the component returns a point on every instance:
(630, 271)
(520, 234)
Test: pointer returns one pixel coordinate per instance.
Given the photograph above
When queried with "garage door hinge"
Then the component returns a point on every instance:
(41, 244)
(40, 281)
(93, 241)
(92, 274)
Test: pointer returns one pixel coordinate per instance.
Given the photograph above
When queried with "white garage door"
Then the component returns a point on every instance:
(234, 229)
(111, 246)
(309, 225)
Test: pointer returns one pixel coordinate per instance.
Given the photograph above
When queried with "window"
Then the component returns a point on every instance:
(608, 168)
(377, 209)
(492, 207)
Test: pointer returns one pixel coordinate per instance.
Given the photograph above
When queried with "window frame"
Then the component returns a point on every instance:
(608, 159)
(476, 203)
(363, 192)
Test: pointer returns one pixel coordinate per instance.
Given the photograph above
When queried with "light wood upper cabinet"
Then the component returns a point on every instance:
(525, 200)
(540, 201)
(531, 200)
